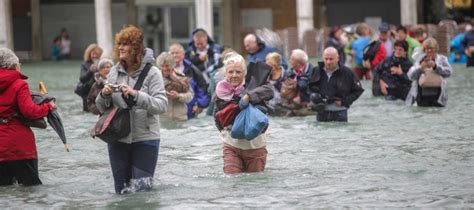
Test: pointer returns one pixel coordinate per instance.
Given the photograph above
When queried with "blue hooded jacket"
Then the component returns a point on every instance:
(199, 86)
(263, 52)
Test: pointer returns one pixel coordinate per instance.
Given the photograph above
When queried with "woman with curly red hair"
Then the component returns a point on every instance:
(133, 158)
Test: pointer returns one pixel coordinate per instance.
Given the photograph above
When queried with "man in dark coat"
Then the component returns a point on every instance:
(333, 88)
(257, 50)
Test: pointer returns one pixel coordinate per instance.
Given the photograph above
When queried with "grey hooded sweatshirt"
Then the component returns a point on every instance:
(151, 100)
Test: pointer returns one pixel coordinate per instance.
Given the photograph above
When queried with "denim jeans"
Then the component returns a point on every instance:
(133, 165)
(327, 116)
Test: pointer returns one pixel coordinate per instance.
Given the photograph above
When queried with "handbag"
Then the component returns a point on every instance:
(430, 79)
(249, 123)
(114, 124)
(288, 89)
(226, 116)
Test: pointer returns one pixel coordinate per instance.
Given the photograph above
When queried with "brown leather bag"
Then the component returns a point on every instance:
(288, 89)
(430, 79)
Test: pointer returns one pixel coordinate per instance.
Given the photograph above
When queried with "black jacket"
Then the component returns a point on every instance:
(343, 85)
(397, 83)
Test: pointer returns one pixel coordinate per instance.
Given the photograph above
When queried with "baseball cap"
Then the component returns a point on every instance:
(384, 27)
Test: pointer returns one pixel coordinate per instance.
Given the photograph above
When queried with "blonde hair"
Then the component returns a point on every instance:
(92, 48)
(431, 43)
(275, 57)
(235, 58)
(200, 34)
(362, 28)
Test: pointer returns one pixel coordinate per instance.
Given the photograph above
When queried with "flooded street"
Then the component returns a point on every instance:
(388, 155)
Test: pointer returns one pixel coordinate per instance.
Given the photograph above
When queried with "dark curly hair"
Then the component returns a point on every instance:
(133, 36)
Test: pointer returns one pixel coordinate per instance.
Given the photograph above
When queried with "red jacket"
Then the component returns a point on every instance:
(17, 141)
(379, 56)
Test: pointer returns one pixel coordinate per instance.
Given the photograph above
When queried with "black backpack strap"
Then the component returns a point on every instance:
(138, 85)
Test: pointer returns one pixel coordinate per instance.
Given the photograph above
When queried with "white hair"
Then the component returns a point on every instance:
(165, 59)
(235, 58)
(8, 59)
(105, 61)
(300, 55)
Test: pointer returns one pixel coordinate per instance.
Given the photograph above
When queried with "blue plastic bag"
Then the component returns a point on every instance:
(249, 123)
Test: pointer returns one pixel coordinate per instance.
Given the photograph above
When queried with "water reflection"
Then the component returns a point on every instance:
(387, 155)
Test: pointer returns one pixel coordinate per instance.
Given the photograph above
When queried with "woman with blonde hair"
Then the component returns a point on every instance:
(276, 78)
(88, 69)
(428, 75)
(133, 158)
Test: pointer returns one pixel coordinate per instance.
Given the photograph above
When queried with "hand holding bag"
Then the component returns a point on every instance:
(249, 123)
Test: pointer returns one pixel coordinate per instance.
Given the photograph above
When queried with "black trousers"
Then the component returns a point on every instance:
(428, 97)
(23, 172)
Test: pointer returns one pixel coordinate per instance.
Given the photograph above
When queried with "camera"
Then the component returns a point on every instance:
(115, 88)
(319, 102)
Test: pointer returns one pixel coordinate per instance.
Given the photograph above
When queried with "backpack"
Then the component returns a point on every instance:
(370, 50)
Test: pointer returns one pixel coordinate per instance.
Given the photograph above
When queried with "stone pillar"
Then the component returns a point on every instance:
(204, 15)
(6, 24)
(408, 12)
(37, 53)
(131, 12)
(103, 24)
(231, 24)
(304, 11)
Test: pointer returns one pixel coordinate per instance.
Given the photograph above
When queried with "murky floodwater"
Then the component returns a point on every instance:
(388, 155)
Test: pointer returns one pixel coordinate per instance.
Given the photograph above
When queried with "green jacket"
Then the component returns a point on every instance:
(412, 44)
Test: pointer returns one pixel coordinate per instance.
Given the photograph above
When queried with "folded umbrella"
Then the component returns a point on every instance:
(53, 117)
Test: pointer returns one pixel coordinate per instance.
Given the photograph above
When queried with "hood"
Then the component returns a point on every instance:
(148, 57)
(8, 76)
(191, 40)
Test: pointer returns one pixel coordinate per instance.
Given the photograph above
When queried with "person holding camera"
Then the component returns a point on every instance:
(100, 78)
(428, 76)
(333, 88)
(133, 158)
(178, 89)
(394, 83)
(293, 93)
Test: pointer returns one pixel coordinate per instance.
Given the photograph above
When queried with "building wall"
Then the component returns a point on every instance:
(342, 12)
(79, 22)
(283, 11)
